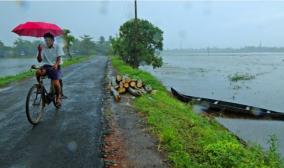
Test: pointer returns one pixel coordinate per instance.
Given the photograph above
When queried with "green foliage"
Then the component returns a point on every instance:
(68, 41)
(25, 47)
(224, 154)
(4, 50)
(191, 140)
(139, 42)
(273, 155)
(103, 46)
(9, 79)
(238, 77)
(87, 45)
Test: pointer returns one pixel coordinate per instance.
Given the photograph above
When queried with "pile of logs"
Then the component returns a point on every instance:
(123, 84)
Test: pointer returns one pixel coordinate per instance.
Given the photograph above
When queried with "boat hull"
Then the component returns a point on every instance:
(230, 108)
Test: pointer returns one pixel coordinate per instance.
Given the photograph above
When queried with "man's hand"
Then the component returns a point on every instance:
(39, 48)
(55, 66)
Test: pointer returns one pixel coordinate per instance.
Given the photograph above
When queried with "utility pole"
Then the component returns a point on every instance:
(135, 35)
(135, 8)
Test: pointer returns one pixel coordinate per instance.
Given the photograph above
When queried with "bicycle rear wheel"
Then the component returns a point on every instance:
(35, 104)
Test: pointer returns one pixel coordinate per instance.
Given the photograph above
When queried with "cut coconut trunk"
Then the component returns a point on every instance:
(132, 84)
(139, 84)
(121, 90)
(118, 78)
(115, 94)
(126, 85)
(134, 92)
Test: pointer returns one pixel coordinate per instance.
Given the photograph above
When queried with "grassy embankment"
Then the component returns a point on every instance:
(29, 73)
(191, 140)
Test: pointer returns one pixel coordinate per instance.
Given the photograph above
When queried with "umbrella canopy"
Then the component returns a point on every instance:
(37, 29)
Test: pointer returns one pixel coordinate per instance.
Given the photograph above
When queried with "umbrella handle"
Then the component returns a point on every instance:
(39, 48)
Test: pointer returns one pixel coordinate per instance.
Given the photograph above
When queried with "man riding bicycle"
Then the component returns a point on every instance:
(50, 54)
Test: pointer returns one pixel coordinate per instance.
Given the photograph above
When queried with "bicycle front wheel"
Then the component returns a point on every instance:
(35, 104)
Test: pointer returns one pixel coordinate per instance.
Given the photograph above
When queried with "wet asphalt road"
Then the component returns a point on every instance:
(66, 138)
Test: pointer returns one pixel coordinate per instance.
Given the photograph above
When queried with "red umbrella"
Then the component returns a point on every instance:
(37, 29)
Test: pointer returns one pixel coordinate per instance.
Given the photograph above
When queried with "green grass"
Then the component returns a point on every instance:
(192, 140)
(30, 73)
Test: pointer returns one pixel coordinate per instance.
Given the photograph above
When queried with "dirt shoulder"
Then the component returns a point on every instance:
(126, 139)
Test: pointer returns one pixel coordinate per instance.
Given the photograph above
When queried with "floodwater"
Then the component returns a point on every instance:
(13, 66)
(207, 75)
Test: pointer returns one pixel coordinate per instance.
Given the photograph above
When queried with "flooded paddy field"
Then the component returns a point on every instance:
(255, 79)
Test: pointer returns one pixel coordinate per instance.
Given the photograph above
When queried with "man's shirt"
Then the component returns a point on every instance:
(49, 55)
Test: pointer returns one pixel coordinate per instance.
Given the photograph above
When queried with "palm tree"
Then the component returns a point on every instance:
(68, 39)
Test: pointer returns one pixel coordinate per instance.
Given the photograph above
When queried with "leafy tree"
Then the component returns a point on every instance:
(139, 41)
(102, 40)
(2, 49)
(68, 41)
(87, 46)
(103, 47)
(1, 44)
(5, 51)
(76, 46)
(25, 47)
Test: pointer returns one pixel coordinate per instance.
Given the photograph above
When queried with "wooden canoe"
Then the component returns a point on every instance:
(229, 107)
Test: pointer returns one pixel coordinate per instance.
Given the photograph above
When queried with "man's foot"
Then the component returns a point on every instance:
(64, 97)
(58, 102)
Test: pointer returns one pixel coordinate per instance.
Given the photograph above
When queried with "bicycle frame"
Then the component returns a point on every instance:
(48, 96)
(42, 95)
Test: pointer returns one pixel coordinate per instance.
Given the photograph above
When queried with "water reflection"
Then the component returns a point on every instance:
(13, 66)
(256, 131)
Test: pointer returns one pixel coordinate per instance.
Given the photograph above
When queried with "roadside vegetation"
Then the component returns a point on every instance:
(192, 140)
(139, 42)
(30, 73)
(240, 77)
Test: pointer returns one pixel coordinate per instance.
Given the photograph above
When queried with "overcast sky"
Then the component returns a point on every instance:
(186, 24)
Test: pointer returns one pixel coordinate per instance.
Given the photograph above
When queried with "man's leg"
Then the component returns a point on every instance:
(56, 84)
(39, 73)
(61, 85)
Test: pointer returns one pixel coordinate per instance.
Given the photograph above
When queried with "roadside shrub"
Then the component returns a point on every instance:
(224, 154)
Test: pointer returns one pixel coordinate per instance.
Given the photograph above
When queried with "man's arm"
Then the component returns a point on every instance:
(59, 53)
(39, 53)
(57, 63)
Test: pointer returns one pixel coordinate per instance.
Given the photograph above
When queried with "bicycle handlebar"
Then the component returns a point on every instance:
(35, 67)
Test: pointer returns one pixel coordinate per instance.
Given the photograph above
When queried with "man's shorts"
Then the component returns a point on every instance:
(53, 74)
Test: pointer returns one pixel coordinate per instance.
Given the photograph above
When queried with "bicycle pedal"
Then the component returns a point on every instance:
(49, 98)
(64, 97)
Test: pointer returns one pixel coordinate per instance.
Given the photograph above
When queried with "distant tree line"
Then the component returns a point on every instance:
(19, 48)
(83, 45)
(233, 50)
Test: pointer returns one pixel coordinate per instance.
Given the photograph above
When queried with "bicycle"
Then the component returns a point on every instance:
(38, 98)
